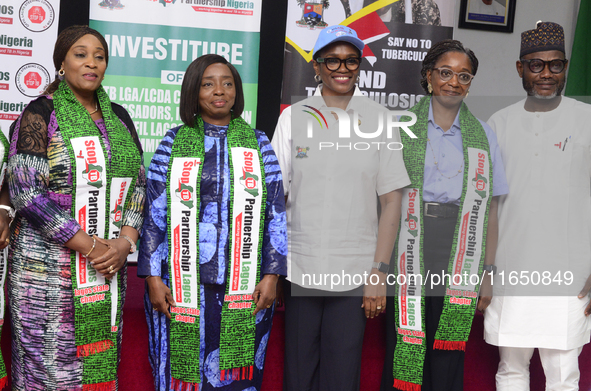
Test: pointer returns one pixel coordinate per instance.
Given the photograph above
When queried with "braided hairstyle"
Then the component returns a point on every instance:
(438, 50)
(65, 41)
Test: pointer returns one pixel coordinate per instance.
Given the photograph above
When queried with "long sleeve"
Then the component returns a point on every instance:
(275, 236)
(28, 178)
(153, 255)
(134, 213)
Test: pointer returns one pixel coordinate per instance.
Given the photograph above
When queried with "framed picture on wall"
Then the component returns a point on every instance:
(491, 15)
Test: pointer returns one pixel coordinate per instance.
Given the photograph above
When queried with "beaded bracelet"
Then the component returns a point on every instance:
(92, 248)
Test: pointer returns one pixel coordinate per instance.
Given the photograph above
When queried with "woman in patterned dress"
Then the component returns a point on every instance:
(211, 103)
(57, 343)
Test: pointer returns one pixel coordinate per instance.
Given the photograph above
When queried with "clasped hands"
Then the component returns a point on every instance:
(109, 255)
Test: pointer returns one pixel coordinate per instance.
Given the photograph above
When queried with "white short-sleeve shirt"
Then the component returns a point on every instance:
(333, 186)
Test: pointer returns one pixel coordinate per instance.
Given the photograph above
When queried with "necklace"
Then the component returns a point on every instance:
(437, 166)
(95, 109)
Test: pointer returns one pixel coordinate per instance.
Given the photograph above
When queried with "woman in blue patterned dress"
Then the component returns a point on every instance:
(214, 198)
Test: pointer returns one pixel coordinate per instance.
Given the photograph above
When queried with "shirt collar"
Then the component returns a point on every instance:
(454, 127)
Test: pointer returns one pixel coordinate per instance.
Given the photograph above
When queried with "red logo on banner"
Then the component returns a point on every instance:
(36, 14)
(32, 80)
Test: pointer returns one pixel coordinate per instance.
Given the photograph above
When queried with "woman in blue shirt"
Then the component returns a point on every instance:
(449, 217)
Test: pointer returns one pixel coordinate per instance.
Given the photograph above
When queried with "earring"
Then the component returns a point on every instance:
(357, 81)
(430, 88)
(61, 72)
(317, 78)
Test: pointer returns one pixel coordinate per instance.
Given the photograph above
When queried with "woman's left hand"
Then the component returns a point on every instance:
(113, 260)
(374, 295)
(264, 292)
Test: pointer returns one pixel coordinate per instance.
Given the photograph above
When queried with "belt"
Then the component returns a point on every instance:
(437, 210)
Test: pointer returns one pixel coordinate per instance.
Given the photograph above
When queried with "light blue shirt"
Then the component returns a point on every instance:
(448, 151)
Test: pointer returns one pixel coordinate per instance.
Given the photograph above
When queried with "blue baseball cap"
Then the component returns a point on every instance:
(334, 34)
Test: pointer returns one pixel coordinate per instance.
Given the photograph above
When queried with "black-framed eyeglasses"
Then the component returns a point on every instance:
(537, 65)
(333, 63)
(445, 74)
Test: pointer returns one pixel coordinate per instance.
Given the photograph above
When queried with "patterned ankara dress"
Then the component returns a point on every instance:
(39, 284)
(213, 244)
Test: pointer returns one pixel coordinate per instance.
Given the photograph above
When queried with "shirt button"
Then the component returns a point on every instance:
(439, 179)
(536, 154)
(536, 134)
(537, 115)
(443, 154)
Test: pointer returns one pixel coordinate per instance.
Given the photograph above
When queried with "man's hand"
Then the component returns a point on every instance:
(485, 294)
(374, 296)
(585, 294)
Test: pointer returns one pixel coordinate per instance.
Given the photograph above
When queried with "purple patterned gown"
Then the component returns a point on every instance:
(39, 283)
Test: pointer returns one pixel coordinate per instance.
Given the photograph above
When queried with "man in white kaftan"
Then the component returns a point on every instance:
(544, 248)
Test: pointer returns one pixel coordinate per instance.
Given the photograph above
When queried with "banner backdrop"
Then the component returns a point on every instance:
(28, 30)
(151, 44)
(396, 43)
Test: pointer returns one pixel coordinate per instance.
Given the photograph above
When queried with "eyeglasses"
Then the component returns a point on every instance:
(536, 65)
(333, 63)
(445, 74)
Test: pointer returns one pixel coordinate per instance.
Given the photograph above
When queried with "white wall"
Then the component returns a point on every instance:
(498, 52)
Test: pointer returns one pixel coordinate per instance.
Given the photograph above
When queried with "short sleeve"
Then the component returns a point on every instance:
(500, 185)
(392, 173)
(281, 144)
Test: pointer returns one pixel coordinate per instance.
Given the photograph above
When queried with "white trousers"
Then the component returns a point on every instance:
(561, 368)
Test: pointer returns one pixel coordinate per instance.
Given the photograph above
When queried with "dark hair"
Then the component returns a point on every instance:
(189, 105)
(64, 42)
(439, 49)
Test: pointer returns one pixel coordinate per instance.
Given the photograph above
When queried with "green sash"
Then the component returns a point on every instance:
(247, 210)
(467, 254)
(3, 259)
(100, 193)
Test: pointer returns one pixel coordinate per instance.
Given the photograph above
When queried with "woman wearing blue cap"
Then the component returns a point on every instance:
(335, 167)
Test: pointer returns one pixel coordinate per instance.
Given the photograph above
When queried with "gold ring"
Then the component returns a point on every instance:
(7, 240)
(155, 309)
(379, 307)
(111, 269)
(269, 306)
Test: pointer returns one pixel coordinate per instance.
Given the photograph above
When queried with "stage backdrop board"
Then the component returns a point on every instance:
(28, 29)
(396, 43)
(151, 44)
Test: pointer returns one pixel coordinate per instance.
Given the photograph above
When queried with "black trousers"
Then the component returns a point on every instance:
(443, 370)
(323, 340)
